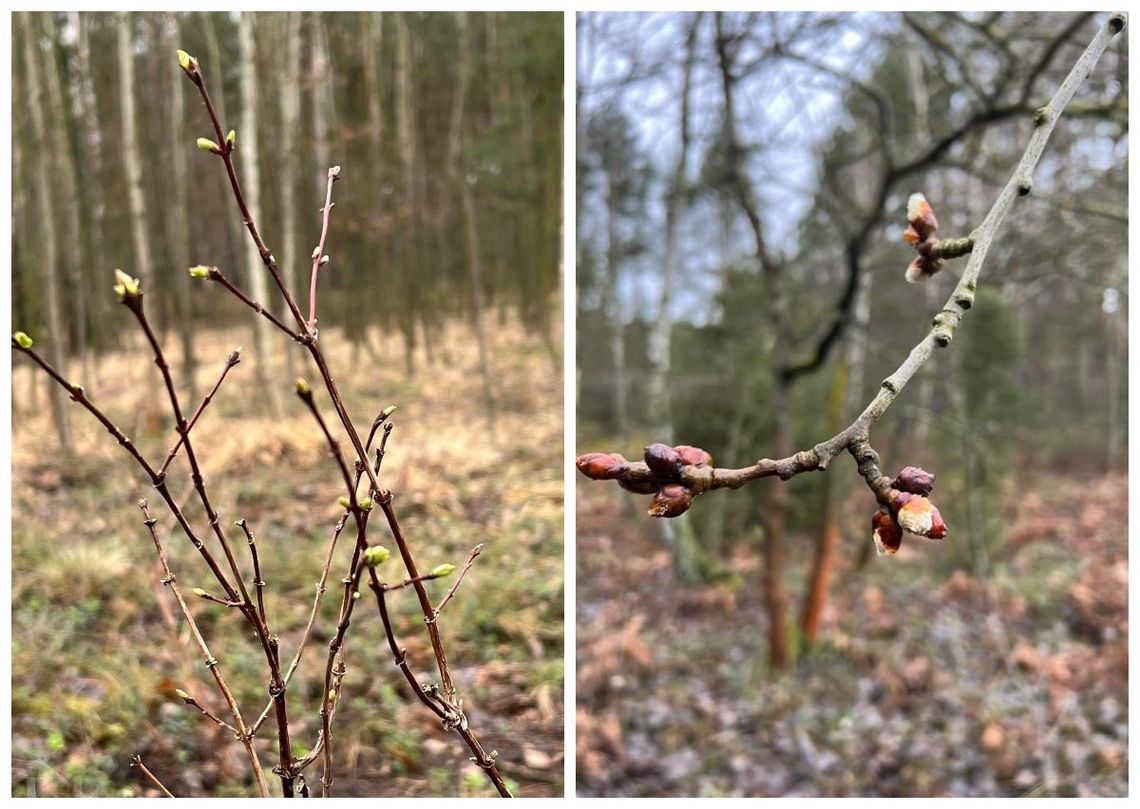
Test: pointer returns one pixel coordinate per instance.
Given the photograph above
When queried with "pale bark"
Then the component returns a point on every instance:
(290, 93)
(57, 334)
(406, 147)
(180, 257)
(251, 184)
(470, 225)
(136, 199)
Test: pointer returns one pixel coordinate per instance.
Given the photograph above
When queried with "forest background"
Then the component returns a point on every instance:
(761, 623)
(443, 295)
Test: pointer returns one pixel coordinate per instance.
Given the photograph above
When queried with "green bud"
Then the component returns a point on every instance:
(344, 501)
(365, 503)
(22, 340)
(332, 695)
(186, 61)
(125, 286)
(355, 595)
(387, 411)
(198, 591)
(376, 555)
(182, 694)
(207, 145)
(303, 388)
(200, 271)
(446, 569)
(231, 138)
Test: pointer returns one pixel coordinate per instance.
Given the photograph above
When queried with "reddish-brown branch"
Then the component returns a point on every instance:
(138, 762)
(319, 257)
(478, 549)
(231, 361)
(216, 275)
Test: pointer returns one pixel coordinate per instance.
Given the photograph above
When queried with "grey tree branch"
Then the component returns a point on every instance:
(700, 478)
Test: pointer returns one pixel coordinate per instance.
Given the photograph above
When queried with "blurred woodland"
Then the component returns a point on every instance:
(756, 645)
(441, 296)
(448, 205)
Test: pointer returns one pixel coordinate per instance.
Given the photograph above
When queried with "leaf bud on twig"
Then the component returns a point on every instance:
(920, 218)
(187, 62)
(198, 591)
(207, 145)
(303, 388)
(915, 480)
(446, 569)
(125, 286)
(663, 461)
(602, 465)
(885, 532)
(22, 339)
(200, 271)
(231, 138)
(365, 504)
(343, 501)
(672, 501)
(376, 555)
(693, 456)
(388, 411)
(182, 695)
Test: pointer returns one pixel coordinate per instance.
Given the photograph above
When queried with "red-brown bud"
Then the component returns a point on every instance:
(663, 461)
(602, 465)
(920, 217)
(922, 268)
(938, 529)
(672, 501)
(693, 456)
(885, 532)
(639, 486)
(914, 480)
(914, 513)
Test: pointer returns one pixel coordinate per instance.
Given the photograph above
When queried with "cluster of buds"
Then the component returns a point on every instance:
(666, 467)
(920, 233)
(932, 253)
(907, 509)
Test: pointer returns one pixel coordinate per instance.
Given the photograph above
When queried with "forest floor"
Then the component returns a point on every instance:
(99, 647)
(926, 680)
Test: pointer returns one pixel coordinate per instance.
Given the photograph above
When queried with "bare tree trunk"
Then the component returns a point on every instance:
(251, 183)
(180, 256)
(409, 268)
(63, 173)
(57, 336)
(827, 540)
(91, 143)
(470, 227)
(235, 239)
(290, 90)
(373, 40)
(140, 234)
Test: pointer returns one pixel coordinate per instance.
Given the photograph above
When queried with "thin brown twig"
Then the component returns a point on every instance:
(216, 275)
(138, 762)
(134, 302)
(231, 361)
(258, 582)
(376, 491)
(171, 581)
(478, 549)
(319, 256)
(193, 703)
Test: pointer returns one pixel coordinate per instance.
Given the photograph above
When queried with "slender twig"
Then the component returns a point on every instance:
(231, 361)
(193, 703)
(138, 762)
(478, 549)
(134, 302)
(409, 582)
(216, 275)
(171, 581)
(258, 583)
(376, 491)
(700, 479)
(319, 256)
